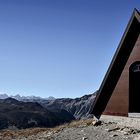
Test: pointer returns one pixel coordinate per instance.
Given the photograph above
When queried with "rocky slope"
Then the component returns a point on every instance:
(78, 107)
(19, 114)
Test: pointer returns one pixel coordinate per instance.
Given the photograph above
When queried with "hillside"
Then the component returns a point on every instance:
(19, 114)
(110, 128)
(78, 107)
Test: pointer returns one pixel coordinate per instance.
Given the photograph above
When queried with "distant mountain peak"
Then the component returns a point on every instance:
(21, 98)
(10, 100)
(3, 96)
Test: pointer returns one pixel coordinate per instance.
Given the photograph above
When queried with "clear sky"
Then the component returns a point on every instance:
(59, 48)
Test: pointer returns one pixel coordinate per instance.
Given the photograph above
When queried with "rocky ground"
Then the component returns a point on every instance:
(110, 128)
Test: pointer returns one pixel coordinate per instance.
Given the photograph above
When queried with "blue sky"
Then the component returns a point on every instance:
(59, 48)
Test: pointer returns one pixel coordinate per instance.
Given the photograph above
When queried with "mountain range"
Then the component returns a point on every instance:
(22, 98)
(41, 112)
(14, 113)
(78, 107)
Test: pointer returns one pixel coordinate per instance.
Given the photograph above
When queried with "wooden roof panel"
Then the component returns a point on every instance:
(119, 60)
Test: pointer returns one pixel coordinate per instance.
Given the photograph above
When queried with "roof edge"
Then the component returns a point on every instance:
(135, 15)
(118, 49)
(137, 11)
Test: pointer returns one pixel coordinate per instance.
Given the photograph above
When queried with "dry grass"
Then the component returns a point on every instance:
(80, 123)
(17, 134)
(12, 134)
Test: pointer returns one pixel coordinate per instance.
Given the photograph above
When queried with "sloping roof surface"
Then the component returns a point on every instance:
(117, 65)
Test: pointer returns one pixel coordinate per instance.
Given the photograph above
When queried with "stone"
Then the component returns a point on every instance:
(113, 129)
(114, 135)
(96, 123)
(84, 138)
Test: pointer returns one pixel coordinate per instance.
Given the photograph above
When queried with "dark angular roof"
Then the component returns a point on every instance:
(116, 67)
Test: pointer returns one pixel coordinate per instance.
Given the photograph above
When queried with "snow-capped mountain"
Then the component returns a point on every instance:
(24, 98)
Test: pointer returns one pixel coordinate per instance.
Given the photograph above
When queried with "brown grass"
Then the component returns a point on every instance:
(13, 134)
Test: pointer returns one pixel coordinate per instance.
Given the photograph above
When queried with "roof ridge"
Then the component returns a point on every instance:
(137, 14)
(137, 11)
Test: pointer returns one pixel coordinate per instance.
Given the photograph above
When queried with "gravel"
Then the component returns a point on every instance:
(110, 128)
